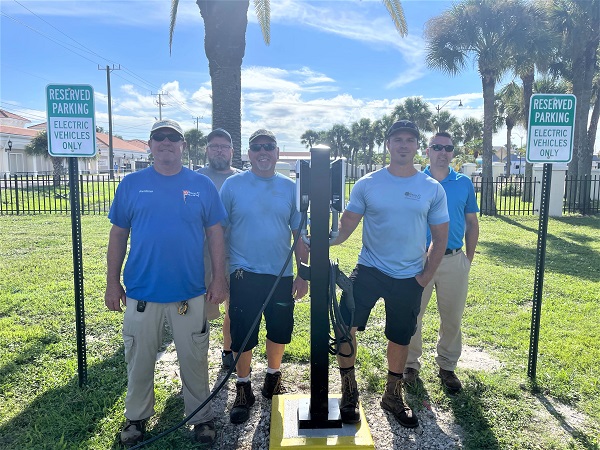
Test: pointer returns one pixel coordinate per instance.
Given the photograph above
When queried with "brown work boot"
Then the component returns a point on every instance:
(244, 399)
(133, 432)
(349, 409)
(272, 385)
(205, 433)
(393, 401)
(450, 381)
(410, 376)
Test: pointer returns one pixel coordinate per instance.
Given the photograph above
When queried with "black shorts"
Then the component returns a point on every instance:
(402, 299)
(247, 294)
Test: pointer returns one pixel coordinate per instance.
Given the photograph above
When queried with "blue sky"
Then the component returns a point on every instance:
(329, 62)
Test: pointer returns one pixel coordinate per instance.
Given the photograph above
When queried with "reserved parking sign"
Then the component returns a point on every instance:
(551, 128)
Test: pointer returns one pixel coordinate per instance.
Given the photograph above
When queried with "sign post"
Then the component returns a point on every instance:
(72, 135)
(549, 139)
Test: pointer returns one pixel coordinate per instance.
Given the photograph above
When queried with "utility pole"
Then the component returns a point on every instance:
(111, 171)
(160, 103)
(197, 120)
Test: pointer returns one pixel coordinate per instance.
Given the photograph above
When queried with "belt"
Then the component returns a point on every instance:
(452, 251)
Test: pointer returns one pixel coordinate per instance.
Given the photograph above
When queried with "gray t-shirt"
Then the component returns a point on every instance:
(217, 177)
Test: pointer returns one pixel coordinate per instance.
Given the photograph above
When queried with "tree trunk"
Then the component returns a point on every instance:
(527, 80)
(488, 206)
(57, 170)
(225, 24)
(509, 127)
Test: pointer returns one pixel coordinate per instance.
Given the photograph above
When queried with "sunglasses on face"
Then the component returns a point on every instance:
(270, 146)
(173, 137)
(440, 147)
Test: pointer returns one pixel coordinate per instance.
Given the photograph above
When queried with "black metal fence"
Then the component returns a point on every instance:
(43, 194)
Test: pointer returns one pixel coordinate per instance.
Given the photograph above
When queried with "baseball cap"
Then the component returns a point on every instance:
(403, 125)
(262, 132)
(219, 132)
(166, 123)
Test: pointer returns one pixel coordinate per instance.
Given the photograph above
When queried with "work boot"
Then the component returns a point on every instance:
(450, 381)
(204, 433)
(244, 399)
(349, 409)
(226, 360)
(272, 385)
(393, 401)
(410, 376)
(133, 432)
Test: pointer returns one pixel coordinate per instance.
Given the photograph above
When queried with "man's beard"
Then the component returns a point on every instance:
(219, 163)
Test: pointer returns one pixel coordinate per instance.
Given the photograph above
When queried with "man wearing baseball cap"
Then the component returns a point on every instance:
(168, 211)
(219, 152)
(262, 216)
(398, 203)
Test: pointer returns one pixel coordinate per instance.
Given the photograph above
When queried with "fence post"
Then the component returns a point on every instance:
(16, 195)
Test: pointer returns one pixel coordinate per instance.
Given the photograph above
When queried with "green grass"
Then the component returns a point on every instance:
(42, 406)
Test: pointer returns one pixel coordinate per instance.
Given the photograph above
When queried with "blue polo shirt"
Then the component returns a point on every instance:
(460, 195)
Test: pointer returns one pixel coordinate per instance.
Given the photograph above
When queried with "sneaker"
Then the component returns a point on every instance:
(226, 360)
(272, 385)
(204, 433)
(393, 401)
(244, 399)
(133, 432)
(450, 380)
(349, 409)
(410, 375)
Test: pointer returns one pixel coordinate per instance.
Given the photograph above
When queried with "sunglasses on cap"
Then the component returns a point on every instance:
(173, 137)
(439, 147)
(269, 146)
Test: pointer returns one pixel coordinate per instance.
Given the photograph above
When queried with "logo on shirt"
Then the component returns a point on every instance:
(145, 191)
(410, 196)
(187, 194)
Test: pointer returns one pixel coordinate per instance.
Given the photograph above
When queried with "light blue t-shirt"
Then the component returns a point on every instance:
(261, 215)
(460, 195)
(167, 216)
(397, 212)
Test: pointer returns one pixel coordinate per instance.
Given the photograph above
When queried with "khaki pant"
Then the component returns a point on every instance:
(143, 334)
(451, 282)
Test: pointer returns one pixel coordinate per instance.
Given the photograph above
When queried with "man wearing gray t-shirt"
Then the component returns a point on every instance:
(397, 203)
(219, 152)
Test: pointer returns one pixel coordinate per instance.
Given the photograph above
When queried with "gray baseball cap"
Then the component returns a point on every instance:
(262, 132)
(219, 132)
(166, 123)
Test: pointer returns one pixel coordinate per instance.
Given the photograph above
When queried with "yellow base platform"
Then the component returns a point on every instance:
(285, 433)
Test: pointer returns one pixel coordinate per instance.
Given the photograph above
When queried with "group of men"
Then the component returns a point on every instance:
(199, 239)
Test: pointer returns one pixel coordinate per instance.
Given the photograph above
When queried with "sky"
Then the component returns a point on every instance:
(328, 62)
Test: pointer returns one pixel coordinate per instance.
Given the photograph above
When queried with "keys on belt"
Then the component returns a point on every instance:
(181, 309)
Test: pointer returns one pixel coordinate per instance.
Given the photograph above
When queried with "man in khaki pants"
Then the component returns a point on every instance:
(451, 279)
(165, 211)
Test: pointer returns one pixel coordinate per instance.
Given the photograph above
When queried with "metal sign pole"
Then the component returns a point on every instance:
(540, 263)
(77, 270)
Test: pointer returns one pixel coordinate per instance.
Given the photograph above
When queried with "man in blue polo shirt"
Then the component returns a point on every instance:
(451, 279)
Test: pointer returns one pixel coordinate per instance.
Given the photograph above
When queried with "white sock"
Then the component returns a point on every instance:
(272, 371)
(243, 379)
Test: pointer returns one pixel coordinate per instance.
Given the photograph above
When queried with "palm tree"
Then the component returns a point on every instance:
(196, 141)
(38, 146)
(309, 138)
(509, 108)
(380, 127)
(363, 137)
(417, 111)
(225, 24)
(488, 31)
(578, 23)
(443, 121)
(338, 137)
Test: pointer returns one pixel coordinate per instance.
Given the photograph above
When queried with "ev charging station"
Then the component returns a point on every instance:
(299, 421)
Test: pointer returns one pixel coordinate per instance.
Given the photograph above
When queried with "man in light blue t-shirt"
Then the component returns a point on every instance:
(451, 279)
(398, 203)
(262, 216)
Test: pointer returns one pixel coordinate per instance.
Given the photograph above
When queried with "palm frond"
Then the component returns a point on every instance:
(174, 6)
(263, 14)
(397, 13)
